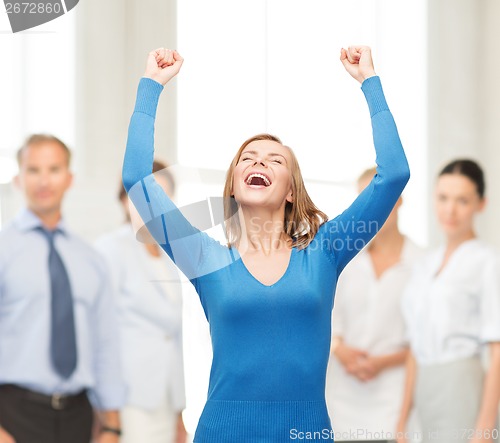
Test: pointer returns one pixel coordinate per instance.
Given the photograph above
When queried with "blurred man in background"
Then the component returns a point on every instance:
(59, 352)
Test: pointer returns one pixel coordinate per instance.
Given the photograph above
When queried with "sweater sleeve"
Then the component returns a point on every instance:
(349, 232)
(185, 244)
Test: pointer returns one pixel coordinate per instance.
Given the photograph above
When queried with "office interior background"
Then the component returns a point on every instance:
(250, 67)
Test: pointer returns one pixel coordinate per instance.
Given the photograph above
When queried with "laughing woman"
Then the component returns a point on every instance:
(268, 293)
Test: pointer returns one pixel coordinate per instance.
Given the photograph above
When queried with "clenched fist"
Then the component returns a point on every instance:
(163, 64)
(357, 61)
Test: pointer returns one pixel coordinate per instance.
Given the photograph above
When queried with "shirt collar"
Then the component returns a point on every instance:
(27, 220)
(408, 253)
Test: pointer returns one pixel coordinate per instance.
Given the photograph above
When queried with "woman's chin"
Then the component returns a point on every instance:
(454, 231)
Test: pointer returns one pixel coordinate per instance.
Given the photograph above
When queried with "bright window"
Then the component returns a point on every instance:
(37, 86)
(273, 66)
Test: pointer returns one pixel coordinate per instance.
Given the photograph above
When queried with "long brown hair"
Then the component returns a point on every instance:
(302, 217)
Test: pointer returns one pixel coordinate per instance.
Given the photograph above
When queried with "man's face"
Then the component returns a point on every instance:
(44, 176)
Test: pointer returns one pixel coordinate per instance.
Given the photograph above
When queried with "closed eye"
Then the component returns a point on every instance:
(277, 161)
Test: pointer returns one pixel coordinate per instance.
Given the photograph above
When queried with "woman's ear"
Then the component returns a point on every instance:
(289, 197)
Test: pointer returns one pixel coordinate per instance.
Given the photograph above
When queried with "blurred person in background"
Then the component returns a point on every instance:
(58, 331)
(148, 294)
(452, 309)
(365, 378)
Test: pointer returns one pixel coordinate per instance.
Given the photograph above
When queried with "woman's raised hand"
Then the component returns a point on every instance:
(357, 61)
(163, 64)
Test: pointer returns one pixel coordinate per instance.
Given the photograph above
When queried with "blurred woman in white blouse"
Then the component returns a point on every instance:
(452, 309)
(366, 373)
(149, 297)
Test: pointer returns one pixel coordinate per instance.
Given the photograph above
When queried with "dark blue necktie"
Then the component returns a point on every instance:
(62, 334)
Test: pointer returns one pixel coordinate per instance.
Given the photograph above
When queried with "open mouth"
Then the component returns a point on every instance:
(258, 179)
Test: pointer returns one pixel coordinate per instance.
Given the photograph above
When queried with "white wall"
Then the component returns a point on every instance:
(463, 111)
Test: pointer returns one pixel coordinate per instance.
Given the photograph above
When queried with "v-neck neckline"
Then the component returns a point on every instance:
(439, 269)
(402, 258)
(287, 270)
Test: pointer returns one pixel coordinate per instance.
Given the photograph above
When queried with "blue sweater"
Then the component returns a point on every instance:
(270, 343)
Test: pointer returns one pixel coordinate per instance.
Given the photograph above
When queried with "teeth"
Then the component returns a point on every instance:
(263, 177)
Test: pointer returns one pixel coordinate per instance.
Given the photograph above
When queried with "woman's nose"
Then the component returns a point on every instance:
(451, 208)
(43, 179)
(261, 161)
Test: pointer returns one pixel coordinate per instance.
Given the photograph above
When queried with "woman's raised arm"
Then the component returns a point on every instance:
(185, 244)
(347, 234)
